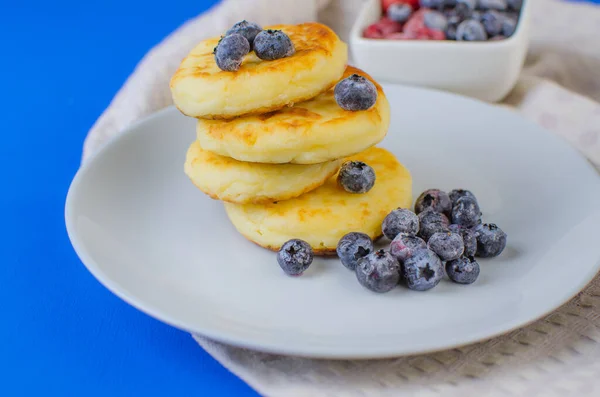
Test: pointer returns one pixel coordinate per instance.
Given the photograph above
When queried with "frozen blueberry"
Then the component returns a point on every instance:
(470, 4)
(431, 4)
(509, 25)
(355, 93)
(471, 30)
(499, 5)
(432, 222)
(399, 12)
(423, 270)
(491, 240)
(435, 20)
(492, 21)
(247, 29)
(230, 52)
(404, 245)
(435, 199)
(464, 270)
(458, 193)
(450, 32)
(466, 212)
(514, 5)
(458, 14)
(356, 177)
(447, 245)
(295, 256)
(352, 247)
(398, 221)
(273, 44)
(378, 271)
(468, 236)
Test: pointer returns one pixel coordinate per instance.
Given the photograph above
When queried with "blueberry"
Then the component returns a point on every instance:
(230, 52)
(470, 4)
(356, 177)
(471, 30)
(423, 270)
(355, 93)
(352, 247)
(404, 245)
(464, 270)
(431, 4)
(247, 29)
(509, 25)
(435, 199)
(378, 271)
(458, 193)
(466, 212)
(450, 32)
(295, 256)
(399, 12)
(432, 222)
(273, 44)
(499, 5)
(447, 245)
(458, 14)
(435, 20)
(514, 5)
(491, 240)
(468, 236)
(400, 221)
(492, 21)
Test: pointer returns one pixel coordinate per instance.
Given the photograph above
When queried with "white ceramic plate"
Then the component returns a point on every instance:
(154, 240)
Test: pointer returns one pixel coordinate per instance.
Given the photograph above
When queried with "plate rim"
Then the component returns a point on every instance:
(320, 352)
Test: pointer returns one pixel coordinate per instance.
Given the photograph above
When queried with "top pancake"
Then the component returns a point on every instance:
(200, 89)
(309, 132)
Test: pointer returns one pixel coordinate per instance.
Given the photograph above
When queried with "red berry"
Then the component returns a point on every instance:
(382, 28)
(415, 24)
(388, 26)
(373, 32)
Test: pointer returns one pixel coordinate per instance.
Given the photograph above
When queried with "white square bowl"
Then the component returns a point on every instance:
(485, 70)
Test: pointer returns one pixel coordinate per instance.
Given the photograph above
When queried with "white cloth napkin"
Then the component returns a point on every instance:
(558, 355)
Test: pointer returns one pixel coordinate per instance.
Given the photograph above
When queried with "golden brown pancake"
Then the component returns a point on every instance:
(226, 179)
(200, 89)
(310, 132)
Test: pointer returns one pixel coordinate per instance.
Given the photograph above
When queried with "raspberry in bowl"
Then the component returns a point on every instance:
(471, 47)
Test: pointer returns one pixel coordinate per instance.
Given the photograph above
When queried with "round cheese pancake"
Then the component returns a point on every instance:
(200, 89)
(310, 132)
(227, 179)
(322, 217)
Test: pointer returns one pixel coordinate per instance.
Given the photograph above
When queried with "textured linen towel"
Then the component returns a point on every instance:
(559, 88)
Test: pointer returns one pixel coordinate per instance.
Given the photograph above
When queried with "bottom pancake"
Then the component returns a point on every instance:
(324, 215)
(227, 179)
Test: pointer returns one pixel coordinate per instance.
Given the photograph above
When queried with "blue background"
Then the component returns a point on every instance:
(61, 332)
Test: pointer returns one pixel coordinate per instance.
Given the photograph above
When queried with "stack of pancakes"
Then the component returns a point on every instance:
(271, 138)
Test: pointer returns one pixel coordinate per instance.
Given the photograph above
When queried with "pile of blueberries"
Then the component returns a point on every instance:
(441, 237)
(462, 20)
